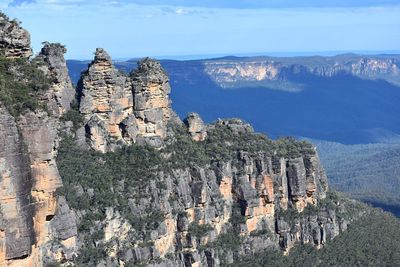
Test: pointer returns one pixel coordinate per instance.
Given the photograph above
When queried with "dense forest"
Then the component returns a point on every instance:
(368, 172)
(380, 247)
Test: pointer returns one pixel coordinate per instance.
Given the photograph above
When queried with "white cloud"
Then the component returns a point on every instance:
(181, 11)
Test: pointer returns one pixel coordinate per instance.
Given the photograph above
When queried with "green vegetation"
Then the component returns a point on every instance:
(228, 241)
(223, 143)
(367, 172)
(73, 115)
(115, 177)
(372, 241)
(199, 230)
(20, 84)
(94, 181)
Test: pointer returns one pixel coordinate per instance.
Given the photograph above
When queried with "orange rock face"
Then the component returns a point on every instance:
(29, 179)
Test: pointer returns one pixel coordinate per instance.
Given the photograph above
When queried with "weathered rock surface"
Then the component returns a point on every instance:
(61, 93)
(152, 106)
(196, 127)
(240, 202)
(123, 110)
(15, 185)
(107, 104)
(15, 42)
(276, 72)
(32, 215)
(29, 179)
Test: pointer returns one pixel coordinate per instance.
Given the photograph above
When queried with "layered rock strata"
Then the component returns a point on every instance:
(36, 226)
(196, 127)
(107, 104)
(61, 92)
(120, 109)
(15, 41)
(29, 180)
(264, 71)
(244, 198)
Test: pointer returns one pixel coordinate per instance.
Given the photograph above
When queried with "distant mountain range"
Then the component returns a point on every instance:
(351, 99)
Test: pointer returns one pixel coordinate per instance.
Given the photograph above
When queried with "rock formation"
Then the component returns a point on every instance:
(51, 61)
(29, 179)
(279, 72)
(186, 203)
(107, 104)
(36, 225)
(123, 110)
(196, 127)
(152, 104)
(14, 40)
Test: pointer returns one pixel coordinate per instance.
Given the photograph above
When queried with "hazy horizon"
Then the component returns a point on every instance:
(254, 54)
(192, 29)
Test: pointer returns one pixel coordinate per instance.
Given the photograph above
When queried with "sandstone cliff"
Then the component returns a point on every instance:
(202, 203)
(33, 217)
(279, 72)
(36, 226)
(120, 109)
(14, 40)
(166, 194)
(61, 93)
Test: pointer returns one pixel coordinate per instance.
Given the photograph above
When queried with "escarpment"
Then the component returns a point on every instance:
(281, 73)
(148, 189)
(202, 202)
(29, 179)
(120, 109)
(37, 226)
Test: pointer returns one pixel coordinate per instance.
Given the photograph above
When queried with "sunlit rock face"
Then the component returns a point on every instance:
(61, 92)
(32, 214)
(121, 109)
(15, 41)
(152, 106)
(106, 104)
(279, 73)
(196, 127)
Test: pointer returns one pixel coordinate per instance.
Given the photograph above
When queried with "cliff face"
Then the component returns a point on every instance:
(167, 194)
(202, 203)
(120, 109)
(275, 71)
(36, 226)
(14, 40)
(16, 232)
(29, 179)
(61, 92)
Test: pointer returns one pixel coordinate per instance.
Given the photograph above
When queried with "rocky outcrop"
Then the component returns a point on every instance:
(278, 73)
(33, 218)
(14, 40)
(61, 93)
(152, 106)
(123, 110)
(107, 104)
(196, 127)
(29, 179)
(213, 213)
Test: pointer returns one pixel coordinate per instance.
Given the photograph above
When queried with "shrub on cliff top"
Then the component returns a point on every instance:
(20, 84)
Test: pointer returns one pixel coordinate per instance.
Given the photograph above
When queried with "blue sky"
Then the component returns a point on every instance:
(138, 28)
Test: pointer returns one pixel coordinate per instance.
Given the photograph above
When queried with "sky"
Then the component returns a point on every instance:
(195, 28)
